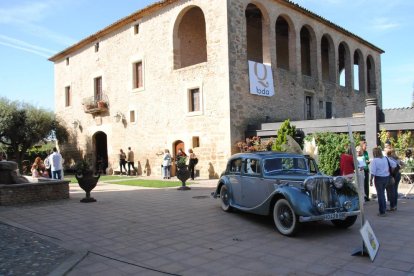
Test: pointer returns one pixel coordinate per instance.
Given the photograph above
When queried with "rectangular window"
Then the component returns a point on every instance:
(328, 110)
(136, 29)
(96, 46)
(132, 116)
(320, 104)
(138, 80)
(67, 96)
(196, 141)
(308, 107)
(98, 88)
(67, 61)
(194, 100)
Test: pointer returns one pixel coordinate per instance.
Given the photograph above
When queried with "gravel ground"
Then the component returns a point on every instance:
(25, 253)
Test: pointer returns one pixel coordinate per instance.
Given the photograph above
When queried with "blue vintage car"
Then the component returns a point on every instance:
(287, 186)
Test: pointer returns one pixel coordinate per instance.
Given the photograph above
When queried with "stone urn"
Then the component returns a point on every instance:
(87, 180)
(183, 174)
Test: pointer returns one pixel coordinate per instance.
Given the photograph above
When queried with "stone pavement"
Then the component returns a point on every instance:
(132, 231)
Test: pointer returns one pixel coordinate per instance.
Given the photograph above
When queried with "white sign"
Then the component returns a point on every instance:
(261, 79)
(370, 240)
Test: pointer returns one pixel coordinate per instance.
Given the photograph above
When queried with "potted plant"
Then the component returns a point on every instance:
(86, 179)
(183, 174)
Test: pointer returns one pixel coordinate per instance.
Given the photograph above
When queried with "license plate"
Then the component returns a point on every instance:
(334, 216)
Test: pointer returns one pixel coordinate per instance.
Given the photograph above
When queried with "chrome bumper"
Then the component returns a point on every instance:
(329, 216)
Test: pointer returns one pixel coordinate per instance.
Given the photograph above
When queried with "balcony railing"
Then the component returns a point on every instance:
(94, 105)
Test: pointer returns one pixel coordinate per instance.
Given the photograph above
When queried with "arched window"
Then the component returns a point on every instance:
(254, 33)
(327, 58)
(282, 43)
(190, 43)
(344, 65)
(371, 84)
(358, 71)
(308, 53)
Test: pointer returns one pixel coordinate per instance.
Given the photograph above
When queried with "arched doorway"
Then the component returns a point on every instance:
(176, 146)
(101, 152)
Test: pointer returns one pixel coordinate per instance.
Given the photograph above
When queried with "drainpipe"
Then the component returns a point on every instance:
(371, 124)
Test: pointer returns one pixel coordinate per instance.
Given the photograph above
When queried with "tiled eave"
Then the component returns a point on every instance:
(161, 4)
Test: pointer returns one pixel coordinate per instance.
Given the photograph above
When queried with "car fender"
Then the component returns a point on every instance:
(298, 199)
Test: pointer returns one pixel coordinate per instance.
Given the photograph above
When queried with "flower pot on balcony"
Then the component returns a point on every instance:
(101, 104)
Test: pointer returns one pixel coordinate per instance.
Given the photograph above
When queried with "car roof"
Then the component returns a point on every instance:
(265, 154)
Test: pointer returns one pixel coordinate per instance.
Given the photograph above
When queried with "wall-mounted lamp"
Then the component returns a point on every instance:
(119, 116)
(76, 124)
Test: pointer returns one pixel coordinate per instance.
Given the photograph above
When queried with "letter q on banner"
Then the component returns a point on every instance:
(261, 79)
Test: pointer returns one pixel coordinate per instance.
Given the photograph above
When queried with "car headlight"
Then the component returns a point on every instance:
(310, 184)
(339, 182)
(321, 206)
(348, 205)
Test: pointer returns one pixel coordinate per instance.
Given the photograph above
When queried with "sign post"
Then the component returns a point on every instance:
(366, 231)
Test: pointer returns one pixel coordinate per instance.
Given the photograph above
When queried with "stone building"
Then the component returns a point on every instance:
(196, 73)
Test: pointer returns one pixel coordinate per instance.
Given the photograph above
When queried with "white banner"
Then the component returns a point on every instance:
(261, 79)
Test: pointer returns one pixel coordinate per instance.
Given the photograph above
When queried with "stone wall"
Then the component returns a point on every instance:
(291, 86)
(162, 104)
(33, 192)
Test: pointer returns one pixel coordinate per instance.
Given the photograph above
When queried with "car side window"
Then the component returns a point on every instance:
(312, 166)
(235, 166)
(251, 166)
(272, 165)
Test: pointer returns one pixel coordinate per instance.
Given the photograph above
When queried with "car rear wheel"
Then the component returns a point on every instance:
(347, 222)
(225, 198)
(285, 218)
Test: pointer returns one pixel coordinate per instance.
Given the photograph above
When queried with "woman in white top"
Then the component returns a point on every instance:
(379, 169)
(166, 164)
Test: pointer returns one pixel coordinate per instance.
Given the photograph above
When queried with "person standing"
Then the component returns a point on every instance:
(130, 160)
(365, 155)
(392, 190)
(122, 158)
(192, 163)
(380, 173)
(56, 164)
(346, 164)
(166, 164)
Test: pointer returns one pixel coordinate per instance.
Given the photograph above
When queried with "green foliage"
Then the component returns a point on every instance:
(181, 162)
(330, 147)
(404, 140)
(384, 135)
(23, 125)
(284, 130)
(82, 166)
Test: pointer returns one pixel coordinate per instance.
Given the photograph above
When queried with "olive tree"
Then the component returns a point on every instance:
(23, 125)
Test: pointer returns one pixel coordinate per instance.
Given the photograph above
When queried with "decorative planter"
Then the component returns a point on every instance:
(87, 181)
(183, 174)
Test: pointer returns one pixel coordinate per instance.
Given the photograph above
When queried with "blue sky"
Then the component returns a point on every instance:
(31, 31)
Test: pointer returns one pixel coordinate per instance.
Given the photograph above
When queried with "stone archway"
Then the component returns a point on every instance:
(100, 155)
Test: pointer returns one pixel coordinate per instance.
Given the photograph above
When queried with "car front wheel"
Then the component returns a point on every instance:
(285, 218)
(347, 222)
(225, 198)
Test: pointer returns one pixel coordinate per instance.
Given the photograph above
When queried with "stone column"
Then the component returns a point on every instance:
(371, 124)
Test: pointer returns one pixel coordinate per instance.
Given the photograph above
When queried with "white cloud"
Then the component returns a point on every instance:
(384, 24)
(7, 40)
(28, 18)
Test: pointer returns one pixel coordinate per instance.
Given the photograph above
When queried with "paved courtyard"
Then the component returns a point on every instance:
(132, 231)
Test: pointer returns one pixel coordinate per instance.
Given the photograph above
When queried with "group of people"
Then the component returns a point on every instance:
(167, 161)
(383, 171)
(51, 167)
(127, 158)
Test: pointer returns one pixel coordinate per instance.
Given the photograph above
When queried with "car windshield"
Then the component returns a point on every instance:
(285, 164)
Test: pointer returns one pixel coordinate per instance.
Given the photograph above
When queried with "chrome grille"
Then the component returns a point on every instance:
(324, 192)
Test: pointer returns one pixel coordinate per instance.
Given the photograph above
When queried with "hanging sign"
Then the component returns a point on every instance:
(261, 79)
